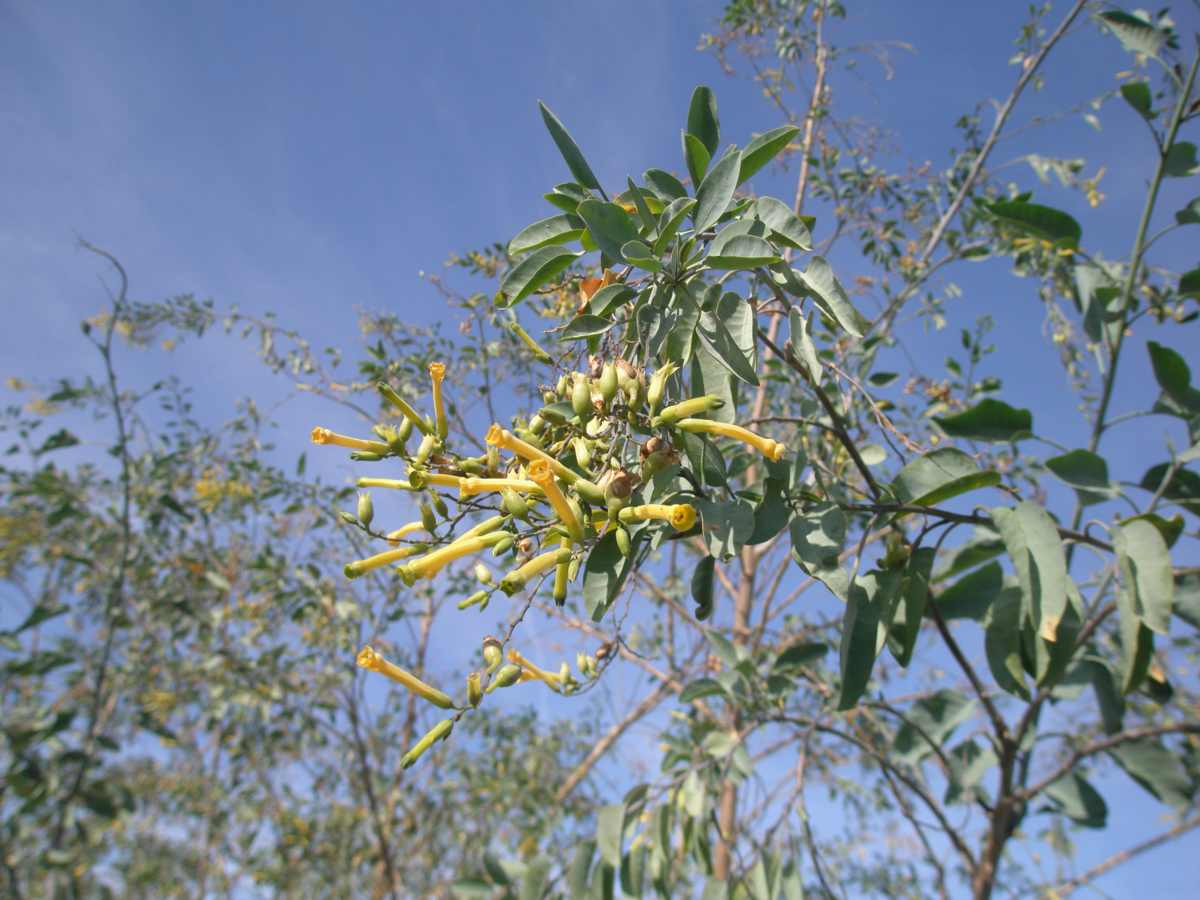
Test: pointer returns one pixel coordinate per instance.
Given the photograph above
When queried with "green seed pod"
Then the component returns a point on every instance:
(529, 437)
(471, 466)
(479, 597)
(492, 653)
(474, 691)
(581, 398)
(549, 397)
(563, 388)
(504, 545)
(514, 504)
(365, 456)
(702, 587)
(438, 732)
(366, 509)
(428, 519)
(623, 542)
(440, 506)
(607, 384)
(506, 677)
(493, 459)
(537, 424)
(483, 573)
(583, 452)
(589, 492)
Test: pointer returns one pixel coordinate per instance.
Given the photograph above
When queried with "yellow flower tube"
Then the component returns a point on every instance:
(518, 578)
(401, 404)
(325, 436)
(530, 672)
(438, 732)
(685, 408)
(540, 472)
(420, 480)
(506, 440)
(485, 527)
(431, 563)
(437, 371)
(405, 530)
(766, 446)
(682, 516)
(361, 567)
(393, 483)
(372, 661)
(469, 487)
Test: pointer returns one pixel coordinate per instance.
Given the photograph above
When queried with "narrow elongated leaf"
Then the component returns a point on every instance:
(940, 475)
(700, 688)
(666, 185)
(1043, 222)
(610, 824)
(679, 339)
(1157, 769)
(554, 230)
(535, 270)
(1032, 540)
(603, 575)
(702, 118)
(786, 225)
(609, 297)
(802, 346)
(866, 598)
(989, 420)
(765, 148)
(1145, 566)
(1002, 642)
(929, 723)
(670, 220)
(702, 587)
(581, 864)
(695, 156)
(716, 190)
(569, 149)
(585, 326)
(533, 883)
(717, 335)
(743, 252)
(609, 225)
(914, 596)
(829, 294)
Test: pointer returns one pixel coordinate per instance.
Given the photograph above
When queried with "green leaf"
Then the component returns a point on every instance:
(705, 459)
(702, 587)
(666, 185)
(1173, 376)
(929, 723)
(1183, 488)
(569, 149)
(640, 255)
(765, 148)
(610, 824)
(679, 339)
(866, 600)
(60, 440)
(719, 744)
(581, 864)
(1135, 34)
(1076, 799)
(603, 575)
(670, 220)
(1189, 215)
(533, 883)
(1157, 769)
(585, 326)
(609, 297)
(968, 765)
(796, 657)
(716, 190)
(914, 596)
(702, 119)
(633, 871)
(1146, 577)
(786, 225)
(802, 346)
(534, 271)
(772, 514)
(742, 251)
(696, 156)
(1137, 95)
(972, 595)
(1086, 472)
(829, 294)
(989, 420)
(609, 225)
(701, 687)
(1002, 642)
(554, 230)
(726, 525)
(1039, 221)
(639, 201)
(1032, 540)
(717, 331)
(711, 376)
(938, 476)
(1181, 160)
(818, 536)
(1189, 284)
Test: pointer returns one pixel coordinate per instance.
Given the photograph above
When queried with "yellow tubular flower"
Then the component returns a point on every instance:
(540, 472)
(469, 487)
(692, 407)
(438, 732)
(369, 659)
(530, 672)
(437, 371)
(401, 404)
(770, 449)
(506, 440)
(420, 480)
(325, 436)
(363, 566)
(561, 573)
(432, 563)
(518, 578)
(682, 516)
(393, 483)
(405, 530)
(485, 527)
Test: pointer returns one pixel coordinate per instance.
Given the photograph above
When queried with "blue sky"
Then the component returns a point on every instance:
(314, 159)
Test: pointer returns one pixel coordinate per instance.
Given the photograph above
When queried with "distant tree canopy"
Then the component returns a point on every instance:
(667, 428)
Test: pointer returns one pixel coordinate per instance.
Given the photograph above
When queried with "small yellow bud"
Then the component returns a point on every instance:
(474, 691)
(366, 509)
(491, 653)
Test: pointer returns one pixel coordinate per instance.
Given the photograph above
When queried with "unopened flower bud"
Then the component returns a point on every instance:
(366, 456)
(492, 653)
(514, 504)
(506, 677)
(581, 398)
(607, 384)
(483, 573)
(428, 443)
(366, 509)
(623, 542)
(474, 691)
(428, 519)
(439, 506)
(479, 597)
(438, 732)
(502, 546)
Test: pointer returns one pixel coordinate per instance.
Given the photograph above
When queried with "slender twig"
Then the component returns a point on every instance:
(1069, 887)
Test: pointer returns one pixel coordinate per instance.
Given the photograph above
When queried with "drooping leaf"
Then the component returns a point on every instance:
(727, 525)
(716, 190)
(1181, 160)
(609, 225)
(1086, 472)
(972, 595)
(679, 339)
(1043, 222)
(702, 587)
(1157, 769)
(1002, 642)
(533, 882)
(581, 864)
(1145, 566)
(610, 825)
(1183, 487)
(1075, 798)
(765, 148)
(929, 723)
(710, 375)
(989, 420)
(798, 656)
(829, 294)
(718, 333)
(802, 345)
(603, 575)
(914, 596)
(535, 270)
(569, 149)
(866, 599)
(786, 225)
(1173, 376)
(818, 536)
(940, 475)
(1032, 540)
(695, 156)
(702, 118)
(585, 326)
(772, 513)
(670, 220)
(554, 230)
(1137, 95)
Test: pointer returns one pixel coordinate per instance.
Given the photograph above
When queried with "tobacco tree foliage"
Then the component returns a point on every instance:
(671, 429)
